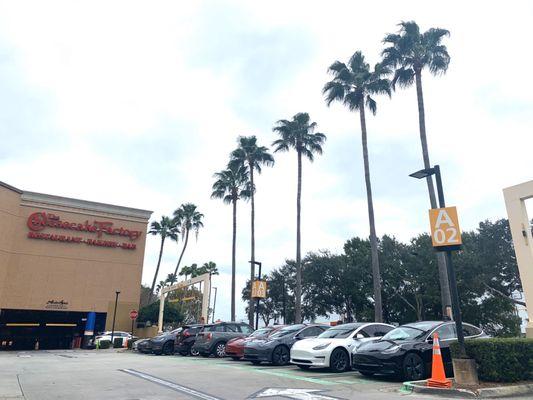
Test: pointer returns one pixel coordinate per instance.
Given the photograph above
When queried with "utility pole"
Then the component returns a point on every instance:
(114, 316)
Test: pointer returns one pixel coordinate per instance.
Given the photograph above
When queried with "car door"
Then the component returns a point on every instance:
(447, 334)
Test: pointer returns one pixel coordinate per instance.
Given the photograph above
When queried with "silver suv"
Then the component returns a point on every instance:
(212, 338)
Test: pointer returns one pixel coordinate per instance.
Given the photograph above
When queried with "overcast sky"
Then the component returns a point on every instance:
(139, 103)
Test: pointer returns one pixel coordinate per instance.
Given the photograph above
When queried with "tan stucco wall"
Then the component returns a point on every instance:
(34, 271)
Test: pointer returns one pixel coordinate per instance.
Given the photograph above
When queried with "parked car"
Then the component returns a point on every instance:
(276, 347)
(164, 342)
(186, 338)
(235, 347)
(107, 336)
(212, 338)
(333, 348)
(142, 346)
(407, 350)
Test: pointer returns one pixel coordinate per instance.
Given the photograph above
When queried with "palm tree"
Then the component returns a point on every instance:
(409, 52)
(231, 185)
(171, 279)
(253, 157)
(298, 134)
(208, 268)
(353, 85)
(164, 228)
(185, 271)
(160, 286)
(188, 218)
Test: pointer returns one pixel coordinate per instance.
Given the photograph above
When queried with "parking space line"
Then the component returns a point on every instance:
(170, 385)
(288, 375)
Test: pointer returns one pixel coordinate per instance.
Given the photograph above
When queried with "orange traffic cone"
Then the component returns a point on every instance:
(438, 376)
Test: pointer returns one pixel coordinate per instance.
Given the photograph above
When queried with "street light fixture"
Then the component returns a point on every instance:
(257, 301)
(114, 316)
(424, 173)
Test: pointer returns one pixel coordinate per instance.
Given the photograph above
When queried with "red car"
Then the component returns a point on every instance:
(235, 347)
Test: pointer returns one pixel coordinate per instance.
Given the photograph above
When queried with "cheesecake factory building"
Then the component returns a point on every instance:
(62, 261)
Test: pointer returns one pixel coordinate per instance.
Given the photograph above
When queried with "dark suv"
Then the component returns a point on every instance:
(186, 338)
(212, 338)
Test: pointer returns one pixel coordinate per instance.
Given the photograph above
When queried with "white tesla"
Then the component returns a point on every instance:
(333, 348)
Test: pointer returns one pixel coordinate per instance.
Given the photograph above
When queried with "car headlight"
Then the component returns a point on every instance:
(392, 349)
(321, 346)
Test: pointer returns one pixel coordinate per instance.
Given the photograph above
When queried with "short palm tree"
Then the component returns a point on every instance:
(231, 185)
(353, 84)
(299, 134)
(254, 157)
(188, 218)
(165, 228)
(171, 279)
(409, 52)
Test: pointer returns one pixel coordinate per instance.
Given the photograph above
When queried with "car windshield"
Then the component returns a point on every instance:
(337, 333)
(404, 333)
(286, 331)
(260, 332)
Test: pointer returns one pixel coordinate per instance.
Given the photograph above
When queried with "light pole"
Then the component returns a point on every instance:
(114, 316)
(257, 301)
(283, 288)
(424, 173)
(214, 305)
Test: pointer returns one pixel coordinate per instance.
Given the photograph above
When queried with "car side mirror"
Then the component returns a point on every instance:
(359, 336)
(429, 340)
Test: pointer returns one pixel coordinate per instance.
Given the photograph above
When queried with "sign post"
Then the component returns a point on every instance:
(133, 316)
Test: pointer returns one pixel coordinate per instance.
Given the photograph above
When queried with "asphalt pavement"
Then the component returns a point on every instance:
(124, 375)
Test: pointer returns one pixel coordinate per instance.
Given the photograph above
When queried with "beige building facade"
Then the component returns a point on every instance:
(63, 258)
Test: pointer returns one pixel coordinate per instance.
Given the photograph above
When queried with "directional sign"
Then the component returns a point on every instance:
(445, 231)
(134, 314)
(259, 289)
(297, 394)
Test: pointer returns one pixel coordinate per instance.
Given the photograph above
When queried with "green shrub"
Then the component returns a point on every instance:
(500, 360)
(104, 344)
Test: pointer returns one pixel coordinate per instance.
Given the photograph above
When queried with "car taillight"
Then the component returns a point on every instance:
(186, 334)
(209, 336)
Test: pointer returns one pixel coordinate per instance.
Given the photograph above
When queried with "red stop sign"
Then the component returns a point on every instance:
(134, 314)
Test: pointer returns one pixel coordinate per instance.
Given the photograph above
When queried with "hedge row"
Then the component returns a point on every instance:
(500, 360)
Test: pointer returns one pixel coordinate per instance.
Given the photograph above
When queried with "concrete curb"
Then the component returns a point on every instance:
(487, 393)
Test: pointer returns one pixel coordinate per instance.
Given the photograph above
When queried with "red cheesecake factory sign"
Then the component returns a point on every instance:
(104, 231)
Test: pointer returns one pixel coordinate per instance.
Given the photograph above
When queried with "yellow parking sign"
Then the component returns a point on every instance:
(445, 231)
(259, 289)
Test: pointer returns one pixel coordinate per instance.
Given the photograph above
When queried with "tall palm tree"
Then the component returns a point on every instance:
(171, 279)
(354, 84)
(185, 271)
(188, 218)
(253, 157)
(410, 52)
(298, 134)
(166, 228)
(231, 185)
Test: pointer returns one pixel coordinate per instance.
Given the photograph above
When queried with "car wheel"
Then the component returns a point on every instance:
(235, 358)
(168, 348)
(280, 355)
(194, 352)
(306, 367)
(366, 373)
(220, 350)
(413, 367)
(339, 361)
(255, 362)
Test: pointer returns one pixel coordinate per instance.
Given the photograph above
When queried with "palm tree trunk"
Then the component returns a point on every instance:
(251, 307)
(233, 260)
(441, 260)
(182, 251)
(376, 278)
(298, 291)
(157, 268)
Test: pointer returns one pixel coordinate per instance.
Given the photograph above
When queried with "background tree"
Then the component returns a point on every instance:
(231, 185)
(409, 51)
(299, 134)
(189, 271)
(165, 228)
(353, 85)
(254, 157)
(188, 218)
(208, 268)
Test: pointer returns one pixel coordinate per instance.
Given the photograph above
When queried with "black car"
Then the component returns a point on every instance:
(407, 350)
(186, 338)
(164, 342)
(276, 347)
(212, 338)
(143, 346)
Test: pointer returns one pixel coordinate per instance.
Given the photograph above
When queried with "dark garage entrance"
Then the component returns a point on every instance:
(45, 330)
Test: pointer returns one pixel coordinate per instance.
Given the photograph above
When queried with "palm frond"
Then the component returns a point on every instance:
(371, 104)
(404, 77)
(334, 91)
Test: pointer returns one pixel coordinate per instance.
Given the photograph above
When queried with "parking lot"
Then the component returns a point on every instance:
(111, 374)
